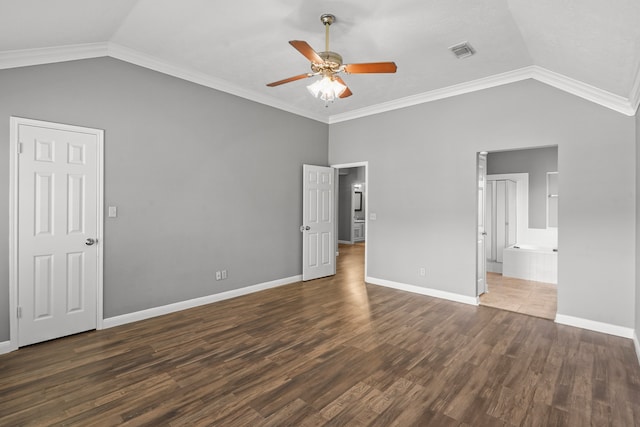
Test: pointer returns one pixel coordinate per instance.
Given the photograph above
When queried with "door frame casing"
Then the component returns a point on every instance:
(14, 191)
(366, 206)
(481, 155)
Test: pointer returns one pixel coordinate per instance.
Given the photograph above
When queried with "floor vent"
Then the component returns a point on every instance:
(462, 50)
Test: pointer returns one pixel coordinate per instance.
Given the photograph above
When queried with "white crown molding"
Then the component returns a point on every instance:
(28, 57)
(135, 57)
(49, 55)
(592, 325)
(559, 81)
(434, 95)
(590, 93)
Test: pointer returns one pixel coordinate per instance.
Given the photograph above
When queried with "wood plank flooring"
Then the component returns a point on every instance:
(331, 352)
(522, 296)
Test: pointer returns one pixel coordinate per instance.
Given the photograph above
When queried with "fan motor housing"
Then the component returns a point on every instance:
(332, 62)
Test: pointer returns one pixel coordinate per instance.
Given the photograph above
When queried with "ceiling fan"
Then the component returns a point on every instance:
(328, 65)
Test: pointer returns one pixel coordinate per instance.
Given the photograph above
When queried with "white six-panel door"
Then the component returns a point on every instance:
(57, 231)
(318, 228)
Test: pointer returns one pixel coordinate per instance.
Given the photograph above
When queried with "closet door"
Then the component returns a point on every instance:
(489, 220)
(501, 218)
(511, 214)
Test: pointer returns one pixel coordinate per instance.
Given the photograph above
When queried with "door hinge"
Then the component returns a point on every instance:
(19, 313)
(20, 147)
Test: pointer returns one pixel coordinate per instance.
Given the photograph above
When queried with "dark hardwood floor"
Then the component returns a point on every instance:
(329, 352)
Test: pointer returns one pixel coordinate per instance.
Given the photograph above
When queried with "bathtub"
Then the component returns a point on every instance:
(530, 263)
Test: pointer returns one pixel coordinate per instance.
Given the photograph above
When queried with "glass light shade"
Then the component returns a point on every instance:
(326, 89)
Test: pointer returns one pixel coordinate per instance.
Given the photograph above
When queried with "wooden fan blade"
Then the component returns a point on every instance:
(347, 92)
(371, 67)
(290, 79)
(304, 48)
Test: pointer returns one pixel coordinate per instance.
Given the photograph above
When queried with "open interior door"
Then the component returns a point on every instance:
(318, 227)
(481, 263)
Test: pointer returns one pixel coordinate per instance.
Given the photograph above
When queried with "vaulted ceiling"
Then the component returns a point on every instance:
(587, 47)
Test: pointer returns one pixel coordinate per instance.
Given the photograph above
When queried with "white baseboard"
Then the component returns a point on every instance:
(345, 242)
(183, 305)
(637, 344)
(423, 291)
(592, 325)
(6, 347)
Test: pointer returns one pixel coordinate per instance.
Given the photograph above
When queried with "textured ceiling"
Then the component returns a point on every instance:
(244, 44)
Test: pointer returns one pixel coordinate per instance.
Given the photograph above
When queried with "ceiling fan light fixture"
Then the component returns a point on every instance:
(329, 64)
(326, 89)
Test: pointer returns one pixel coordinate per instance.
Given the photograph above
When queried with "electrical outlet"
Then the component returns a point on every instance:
(218, 275)
(423, 271)
(224, 274)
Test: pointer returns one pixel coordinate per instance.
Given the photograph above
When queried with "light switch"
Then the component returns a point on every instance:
(373, 216)
(113, 211)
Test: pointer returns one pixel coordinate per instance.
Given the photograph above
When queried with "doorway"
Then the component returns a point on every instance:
(55, 230)
(352, 209)
(518, 211)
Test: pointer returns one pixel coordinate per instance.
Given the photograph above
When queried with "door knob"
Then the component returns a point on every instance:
(90, 242)
(303, 228)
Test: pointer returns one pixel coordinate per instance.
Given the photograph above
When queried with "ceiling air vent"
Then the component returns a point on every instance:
(462, 50)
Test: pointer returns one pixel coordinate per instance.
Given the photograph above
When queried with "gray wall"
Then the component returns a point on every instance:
(536, 162)
(432, 222)
(185, 164)
(203, 180)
